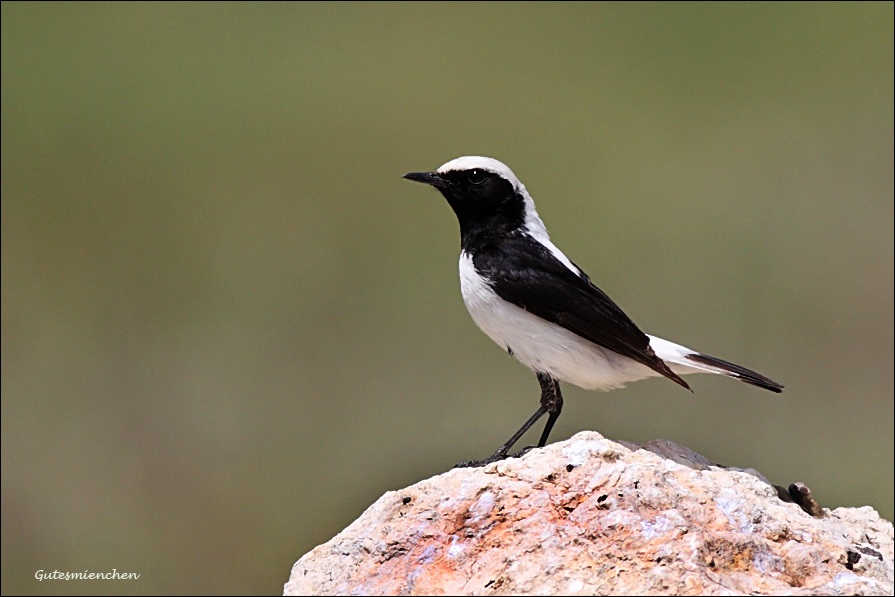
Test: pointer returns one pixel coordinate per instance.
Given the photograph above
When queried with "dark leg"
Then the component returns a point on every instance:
(551, 403)
(551, 399)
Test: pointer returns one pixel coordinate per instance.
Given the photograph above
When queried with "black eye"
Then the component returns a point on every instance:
(476, 176)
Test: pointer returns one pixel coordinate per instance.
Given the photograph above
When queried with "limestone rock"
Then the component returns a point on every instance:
(589, 516)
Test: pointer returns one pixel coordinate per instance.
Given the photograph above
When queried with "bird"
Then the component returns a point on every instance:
(541, 308)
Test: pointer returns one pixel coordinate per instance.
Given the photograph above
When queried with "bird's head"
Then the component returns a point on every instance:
(483, 192)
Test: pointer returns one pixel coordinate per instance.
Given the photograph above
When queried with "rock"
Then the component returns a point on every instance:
(589, 516)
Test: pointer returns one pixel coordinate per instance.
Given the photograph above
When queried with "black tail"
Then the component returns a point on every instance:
(732, 370)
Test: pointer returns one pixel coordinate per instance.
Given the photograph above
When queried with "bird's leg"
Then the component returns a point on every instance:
(502, 452)
(551, 399)
(551, 404)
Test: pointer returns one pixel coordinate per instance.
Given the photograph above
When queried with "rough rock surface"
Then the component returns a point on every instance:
(589, 516)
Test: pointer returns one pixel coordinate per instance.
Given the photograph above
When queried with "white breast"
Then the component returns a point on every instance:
(543, 346)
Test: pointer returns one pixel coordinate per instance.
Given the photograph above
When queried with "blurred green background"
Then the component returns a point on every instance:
(228, 326)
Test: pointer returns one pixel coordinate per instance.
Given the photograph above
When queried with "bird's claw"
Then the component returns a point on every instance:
(496, 457)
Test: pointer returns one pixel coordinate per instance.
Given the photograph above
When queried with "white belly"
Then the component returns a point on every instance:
(542, 346)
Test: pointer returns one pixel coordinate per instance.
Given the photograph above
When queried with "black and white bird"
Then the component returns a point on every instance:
(540, 307)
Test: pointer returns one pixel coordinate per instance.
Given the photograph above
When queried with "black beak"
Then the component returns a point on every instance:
(431, 178)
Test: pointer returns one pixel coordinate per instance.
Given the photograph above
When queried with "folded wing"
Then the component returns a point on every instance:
(528, 275)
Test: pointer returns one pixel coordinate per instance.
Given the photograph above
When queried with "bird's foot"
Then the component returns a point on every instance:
(496, 457)
(523, 451)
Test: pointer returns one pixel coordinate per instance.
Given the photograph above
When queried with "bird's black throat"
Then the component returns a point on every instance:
(486, 207)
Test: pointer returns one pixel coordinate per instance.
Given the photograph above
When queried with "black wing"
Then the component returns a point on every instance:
(528, 275)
